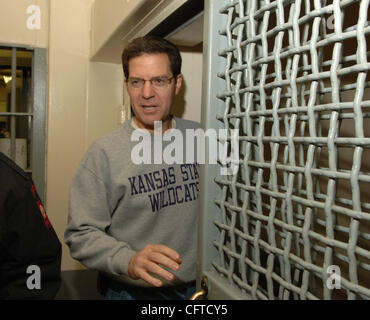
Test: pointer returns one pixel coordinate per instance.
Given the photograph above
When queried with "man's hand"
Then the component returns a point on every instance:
(148, 260)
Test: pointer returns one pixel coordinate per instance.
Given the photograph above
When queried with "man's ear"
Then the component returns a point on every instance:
(178, 83)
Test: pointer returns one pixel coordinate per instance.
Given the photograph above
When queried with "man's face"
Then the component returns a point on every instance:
(150, 103)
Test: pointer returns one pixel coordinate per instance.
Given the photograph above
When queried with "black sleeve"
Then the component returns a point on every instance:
(30, 251)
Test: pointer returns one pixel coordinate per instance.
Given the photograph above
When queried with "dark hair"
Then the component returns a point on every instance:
(152, 45)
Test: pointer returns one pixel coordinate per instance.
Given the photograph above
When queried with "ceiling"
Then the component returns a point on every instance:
(180, 21)
(190, 34)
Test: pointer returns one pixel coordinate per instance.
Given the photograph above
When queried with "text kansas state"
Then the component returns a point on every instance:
(163, 189)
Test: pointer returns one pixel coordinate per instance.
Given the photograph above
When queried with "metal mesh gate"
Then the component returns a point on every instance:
(296, 216)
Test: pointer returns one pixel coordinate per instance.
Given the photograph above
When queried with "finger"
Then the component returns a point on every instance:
(150, 271)
(159, 271)
(150, 279)
(164, 260)
(172, 254)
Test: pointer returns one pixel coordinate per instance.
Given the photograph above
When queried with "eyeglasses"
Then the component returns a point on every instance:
(157, 82)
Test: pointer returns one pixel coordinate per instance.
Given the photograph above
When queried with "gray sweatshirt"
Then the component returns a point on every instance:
(118, 207)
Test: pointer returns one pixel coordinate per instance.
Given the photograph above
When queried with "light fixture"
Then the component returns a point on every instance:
(7, 79)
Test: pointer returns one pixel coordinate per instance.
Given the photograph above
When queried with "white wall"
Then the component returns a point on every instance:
(13, 23)
(107, 16)
(188, 103)
(105, 99)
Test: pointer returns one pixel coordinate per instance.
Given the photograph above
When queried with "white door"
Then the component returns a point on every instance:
(293, 222)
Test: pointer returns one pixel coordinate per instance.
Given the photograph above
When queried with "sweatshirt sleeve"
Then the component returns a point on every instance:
(90, 211)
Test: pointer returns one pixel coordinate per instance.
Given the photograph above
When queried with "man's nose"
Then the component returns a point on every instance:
(148, 91)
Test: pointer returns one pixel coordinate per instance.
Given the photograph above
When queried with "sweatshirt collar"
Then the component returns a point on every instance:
(135, 126)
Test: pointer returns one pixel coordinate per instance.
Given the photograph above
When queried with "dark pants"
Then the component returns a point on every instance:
(113, 290)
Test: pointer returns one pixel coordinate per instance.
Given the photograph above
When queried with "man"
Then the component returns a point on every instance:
(137, 224)
(30, 252)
